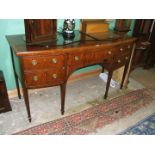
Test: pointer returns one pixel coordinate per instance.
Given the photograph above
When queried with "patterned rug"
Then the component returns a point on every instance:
(87, 121)
(143, 127)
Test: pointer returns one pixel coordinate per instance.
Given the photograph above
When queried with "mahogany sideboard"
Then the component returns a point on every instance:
(51, 63)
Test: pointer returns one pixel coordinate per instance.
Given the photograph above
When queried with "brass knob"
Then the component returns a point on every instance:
(109, 52)
(119, 61)
(54, 76)
(34, 62)
(54, 60)
(35, 78)
(76, 58)
(121, 49)
(129, 46)
(47, 46)
(126, 58)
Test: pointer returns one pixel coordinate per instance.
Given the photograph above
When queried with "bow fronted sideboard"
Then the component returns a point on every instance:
(51, 63)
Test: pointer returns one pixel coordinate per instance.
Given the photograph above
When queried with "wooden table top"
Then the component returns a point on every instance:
(18, 43)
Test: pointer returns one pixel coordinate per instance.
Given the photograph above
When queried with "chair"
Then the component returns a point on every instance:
(144, 31)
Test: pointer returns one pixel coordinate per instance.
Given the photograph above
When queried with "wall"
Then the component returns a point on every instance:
(8, 27)
(16, 26)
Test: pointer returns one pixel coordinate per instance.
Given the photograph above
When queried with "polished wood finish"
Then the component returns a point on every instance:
(51, 64)
(39, 30)
(4, 100)
(92, 25)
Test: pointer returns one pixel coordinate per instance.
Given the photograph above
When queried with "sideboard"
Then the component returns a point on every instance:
(51, 63)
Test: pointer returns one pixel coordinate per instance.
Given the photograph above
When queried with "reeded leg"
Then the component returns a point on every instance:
(124, 74)
(108, 84)
(63, 92)
(25, 93)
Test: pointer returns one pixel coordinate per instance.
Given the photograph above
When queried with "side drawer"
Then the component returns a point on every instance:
(124, 48)
(121, 60)
(55, 61)
(55, 76)
(35, 79)
(44, 78)
(42, 62)
(105, 55)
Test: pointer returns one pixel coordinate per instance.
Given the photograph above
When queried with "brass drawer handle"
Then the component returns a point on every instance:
(119, 61)
(129, 46)
(35, 78)
(54, 60)
(54, 76)
(121, 49)
(126, 58)
(76, 58)
(34, 62)
(109, 52)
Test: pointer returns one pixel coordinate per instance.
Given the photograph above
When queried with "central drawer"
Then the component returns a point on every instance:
(55, 76)
(43, 62)
(76, 59)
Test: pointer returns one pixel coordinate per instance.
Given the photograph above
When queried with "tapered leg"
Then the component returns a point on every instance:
(124, 74)
(17, 85)
(108, 84)
(16, 77)
(63, 92)
(25, 93)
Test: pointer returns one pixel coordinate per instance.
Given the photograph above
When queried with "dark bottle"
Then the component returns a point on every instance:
(68, 29)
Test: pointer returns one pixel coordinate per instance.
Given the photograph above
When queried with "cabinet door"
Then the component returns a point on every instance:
(39, 30)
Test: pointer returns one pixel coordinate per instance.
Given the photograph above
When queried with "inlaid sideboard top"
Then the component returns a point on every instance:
(81, 40)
